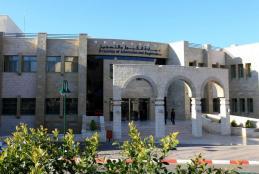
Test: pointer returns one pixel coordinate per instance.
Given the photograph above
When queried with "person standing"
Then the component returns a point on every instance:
(165, 117)
(173, 116)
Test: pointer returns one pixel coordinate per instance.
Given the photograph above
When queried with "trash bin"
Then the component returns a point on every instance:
(109, 135)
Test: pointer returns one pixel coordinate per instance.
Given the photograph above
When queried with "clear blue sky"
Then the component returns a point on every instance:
(219, 22)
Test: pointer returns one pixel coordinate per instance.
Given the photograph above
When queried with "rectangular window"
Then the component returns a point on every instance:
(28, 106)
(53, 106)
(11, 63)
(201, 64)
(248, 70)
(54, 64)
(29, 64)
(194, 63)
(203, 105)
(111, 71)
(9, 106)
(71, 105)
(233, 71)
(250, 105)
(71, 64)
(233, 105)
(240, 71)
(216, 105)
(215, 65)
(222, 66)
(242, 104)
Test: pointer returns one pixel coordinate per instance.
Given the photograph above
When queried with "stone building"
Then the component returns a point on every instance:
(122, 80)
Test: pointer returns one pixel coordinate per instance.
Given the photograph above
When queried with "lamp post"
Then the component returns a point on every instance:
(64, 91)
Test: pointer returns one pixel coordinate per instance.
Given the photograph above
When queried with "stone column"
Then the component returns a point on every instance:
(41, 79)
(225, 117)
(82, 79)
(117, 119)
(196, 117)
(159, 118)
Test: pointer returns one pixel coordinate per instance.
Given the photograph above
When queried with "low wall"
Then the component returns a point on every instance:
(211, 126)
(244, 132)
(9, 122)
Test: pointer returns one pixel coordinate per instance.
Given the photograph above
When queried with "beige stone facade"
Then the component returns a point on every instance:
(191, 64)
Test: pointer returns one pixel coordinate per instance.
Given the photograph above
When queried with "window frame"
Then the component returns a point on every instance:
(250, 105)
(5, 63)
(22, 111)
(233, 73)
(14, 109)
(240, 68)
(48, 68)
(242, 107)
(51, 112)
(30, 71)
(72, 63)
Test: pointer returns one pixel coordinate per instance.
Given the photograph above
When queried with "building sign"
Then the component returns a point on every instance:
(127, 48)
(124, 49)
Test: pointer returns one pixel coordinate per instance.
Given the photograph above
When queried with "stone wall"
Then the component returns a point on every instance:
(247, 87)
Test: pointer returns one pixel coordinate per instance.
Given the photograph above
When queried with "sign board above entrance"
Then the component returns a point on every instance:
(127, 48)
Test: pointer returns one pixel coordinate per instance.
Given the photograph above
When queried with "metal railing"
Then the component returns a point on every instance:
(34, 35)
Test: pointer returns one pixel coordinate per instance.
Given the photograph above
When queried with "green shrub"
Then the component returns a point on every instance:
(234, 123)
(145, 156)
(93, 125)
(249, 124)
(34, 151)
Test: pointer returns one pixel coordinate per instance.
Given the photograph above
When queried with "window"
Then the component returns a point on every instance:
(28, 106)
(71, 64)
(9, 106)
(216, 105)
(222, 66)
(242, 104)
(54, 64)
(111, 71)
(11, 63)
(250, 105)
(233, 105)
(201, 64)
(160, 61)
(71, 105)
(29, 64)
(233, 71)
(248, 70)
(52, 106)
(215, 65)
(240, 71)
(194, 63)
(203, 105)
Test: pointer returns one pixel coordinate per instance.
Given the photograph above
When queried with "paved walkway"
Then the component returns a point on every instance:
(147, 128)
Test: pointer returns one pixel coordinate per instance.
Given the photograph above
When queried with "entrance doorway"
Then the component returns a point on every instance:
(136, 109)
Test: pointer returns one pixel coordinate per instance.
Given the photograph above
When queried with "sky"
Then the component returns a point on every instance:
(218, 22)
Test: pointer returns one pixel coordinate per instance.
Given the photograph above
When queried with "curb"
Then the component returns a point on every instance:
(182, 161)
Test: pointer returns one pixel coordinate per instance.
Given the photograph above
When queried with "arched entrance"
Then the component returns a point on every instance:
(160, 80)
(215, 101)
(178, 93)
(137, 95)
(211, 94)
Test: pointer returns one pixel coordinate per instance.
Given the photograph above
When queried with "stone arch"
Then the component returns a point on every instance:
(221, 91)
(182, 78)
(147, 79)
